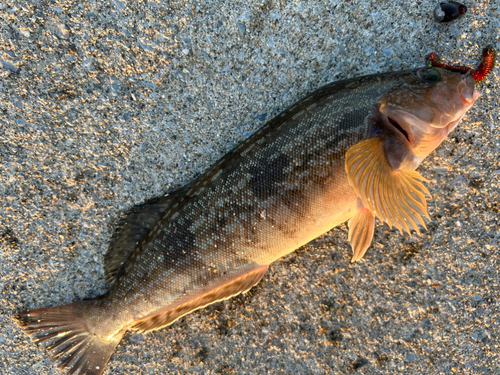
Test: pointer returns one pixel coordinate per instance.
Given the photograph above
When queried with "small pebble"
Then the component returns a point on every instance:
(16, 100)
(87, 63)
(358, 363)
(60, 30)
(387, 52)
(147, 47)
(261, 117)
(24, 32)
(410, 357)
(9, 66)
(241, 29)
(120, 5)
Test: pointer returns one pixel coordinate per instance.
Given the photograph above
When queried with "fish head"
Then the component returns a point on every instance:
(422, 109)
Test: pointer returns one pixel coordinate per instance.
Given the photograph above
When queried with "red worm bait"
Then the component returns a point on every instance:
(480, 73)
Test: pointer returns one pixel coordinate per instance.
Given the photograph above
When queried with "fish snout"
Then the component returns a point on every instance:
(466, 89)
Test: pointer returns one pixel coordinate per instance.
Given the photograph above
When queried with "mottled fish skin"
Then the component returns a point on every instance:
(278, 190)
(215, 238)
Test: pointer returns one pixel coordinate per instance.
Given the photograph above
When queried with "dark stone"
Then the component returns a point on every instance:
(9, 237)
(203, 354)
(449, 11)
(358, 363)
(476, 183)
(335, 335)
(381, 358)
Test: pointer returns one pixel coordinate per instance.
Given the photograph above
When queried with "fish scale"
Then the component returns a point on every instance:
(327, 159)
(259, 176)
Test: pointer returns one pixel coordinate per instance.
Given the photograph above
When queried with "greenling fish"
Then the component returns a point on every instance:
(346, 152)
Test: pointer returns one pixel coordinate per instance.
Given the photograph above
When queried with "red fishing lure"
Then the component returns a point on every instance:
(480, 73)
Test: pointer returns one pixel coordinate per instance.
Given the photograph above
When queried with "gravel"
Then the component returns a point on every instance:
(104, 105)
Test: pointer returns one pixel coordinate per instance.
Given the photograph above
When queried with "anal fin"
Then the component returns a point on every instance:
(232, 288)
(361, 229)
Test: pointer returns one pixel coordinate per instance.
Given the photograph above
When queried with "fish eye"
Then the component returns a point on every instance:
(429, 75)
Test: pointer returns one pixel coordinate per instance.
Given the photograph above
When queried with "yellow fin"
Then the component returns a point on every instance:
(394, 196)
(361, 228)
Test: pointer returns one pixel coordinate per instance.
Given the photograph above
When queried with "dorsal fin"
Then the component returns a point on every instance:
(131, 228)
(231, 288)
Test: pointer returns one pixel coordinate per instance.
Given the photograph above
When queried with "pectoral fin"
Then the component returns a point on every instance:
(361, 228)
(394, 196)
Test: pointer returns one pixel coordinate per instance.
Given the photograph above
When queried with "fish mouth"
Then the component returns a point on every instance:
(396, 125)
(395, 119)
(404, 123)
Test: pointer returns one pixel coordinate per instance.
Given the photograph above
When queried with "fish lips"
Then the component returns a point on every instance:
(396, 122)
(466, 90)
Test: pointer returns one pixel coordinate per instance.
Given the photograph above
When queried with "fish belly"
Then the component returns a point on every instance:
(187, 264)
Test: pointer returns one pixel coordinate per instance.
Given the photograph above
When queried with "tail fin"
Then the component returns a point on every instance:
(63, 332)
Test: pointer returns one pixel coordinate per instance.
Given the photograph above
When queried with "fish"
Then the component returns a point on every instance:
(348, 152)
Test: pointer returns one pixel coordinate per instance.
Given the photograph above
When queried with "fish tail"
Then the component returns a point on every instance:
(62, 331)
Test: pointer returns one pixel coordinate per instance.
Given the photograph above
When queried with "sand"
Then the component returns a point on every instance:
(104, 105)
